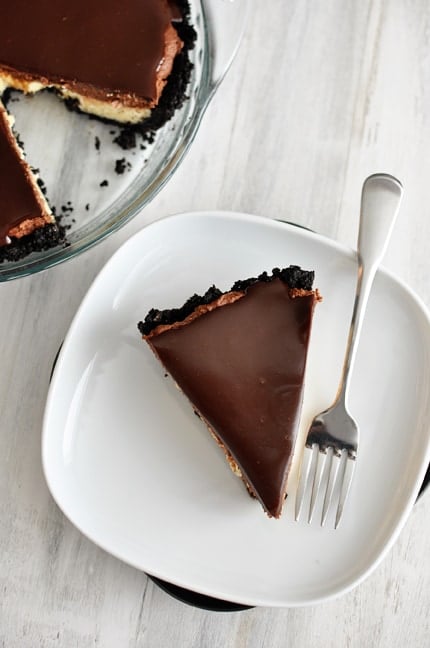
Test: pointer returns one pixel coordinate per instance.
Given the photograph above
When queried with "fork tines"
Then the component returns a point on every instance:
(324, 481)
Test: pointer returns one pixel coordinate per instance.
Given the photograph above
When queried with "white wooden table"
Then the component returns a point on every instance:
(321, 94)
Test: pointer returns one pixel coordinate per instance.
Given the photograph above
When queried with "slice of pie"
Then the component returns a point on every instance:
(23, 205)
(240, 358)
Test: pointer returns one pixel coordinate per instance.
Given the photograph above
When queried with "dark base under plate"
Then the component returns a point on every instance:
(198, 600)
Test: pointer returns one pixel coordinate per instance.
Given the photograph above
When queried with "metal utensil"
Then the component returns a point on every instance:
(332, 442)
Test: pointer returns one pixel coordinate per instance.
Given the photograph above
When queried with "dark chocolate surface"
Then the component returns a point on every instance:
(112, 45)
(17, 197)
(242, 367)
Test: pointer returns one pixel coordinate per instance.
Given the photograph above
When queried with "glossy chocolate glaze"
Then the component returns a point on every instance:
(242, 367)
(113, 45)
(17, 197)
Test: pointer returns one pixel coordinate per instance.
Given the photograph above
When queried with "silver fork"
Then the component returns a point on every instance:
(331, 446)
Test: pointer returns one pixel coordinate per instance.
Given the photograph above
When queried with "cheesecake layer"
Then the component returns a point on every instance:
(113, 57)
(23, 205)
(240, 359)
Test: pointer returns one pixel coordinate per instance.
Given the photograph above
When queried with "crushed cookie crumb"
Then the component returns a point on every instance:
(121, 166)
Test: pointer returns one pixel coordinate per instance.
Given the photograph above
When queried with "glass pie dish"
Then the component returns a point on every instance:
(95, 185)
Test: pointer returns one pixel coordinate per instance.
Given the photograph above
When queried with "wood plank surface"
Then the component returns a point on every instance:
(321, 94)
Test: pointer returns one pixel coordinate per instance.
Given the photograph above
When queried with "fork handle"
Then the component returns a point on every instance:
(380, 202)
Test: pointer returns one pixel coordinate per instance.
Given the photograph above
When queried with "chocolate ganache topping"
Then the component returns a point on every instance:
(118, 49)
(242, 366)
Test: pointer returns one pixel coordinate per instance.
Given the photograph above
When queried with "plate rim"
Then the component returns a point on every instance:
(207, 591)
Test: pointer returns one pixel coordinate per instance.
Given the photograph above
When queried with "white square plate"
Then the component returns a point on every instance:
(136, 471)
